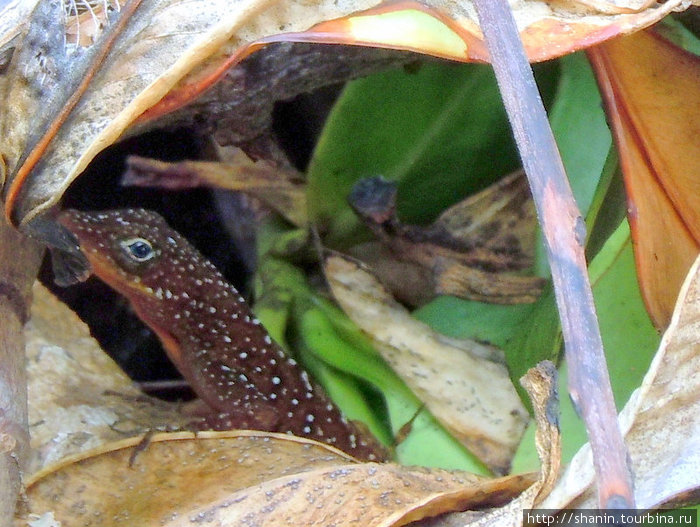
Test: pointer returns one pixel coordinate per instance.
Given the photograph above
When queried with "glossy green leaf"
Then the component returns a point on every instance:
(442, 132)
(491, 323)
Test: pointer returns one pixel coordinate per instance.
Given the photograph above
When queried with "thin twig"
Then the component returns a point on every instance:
(564, 233)
(19, 264)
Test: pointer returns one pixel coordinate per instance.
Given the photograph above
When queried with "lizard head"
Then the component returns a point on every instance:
(133, 250)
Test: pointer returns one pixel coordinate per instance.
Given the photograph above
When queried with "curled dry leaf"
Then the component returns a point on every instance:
(280, 189)
(232, 478)
(152, 57)
(384, 495)
(143, 54)
(445, 29)
(471, 247)
(79, 398)
(541, 385)
(661, 421)
(459, 381)
(236, 478)
(652, 93)
(168, 476)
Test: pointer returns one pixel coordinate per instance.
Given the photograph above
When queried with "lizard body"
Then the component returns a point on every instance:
(208, 331)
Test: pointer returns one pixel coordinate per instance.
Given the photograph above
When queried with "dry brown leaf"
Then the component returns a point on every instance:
(282, 190)
(661, 422)
(168, 476)
(384, 495)
(469, 250)
(230, 478)
(69, 105)
(158, 45)
(447, 29)
(458, 380)
(79, 398)
(652, 93)
(541, 384)
(237, 478)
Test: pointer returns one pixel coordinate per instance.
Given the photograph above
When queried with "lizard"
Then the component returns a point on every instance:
(208, 331)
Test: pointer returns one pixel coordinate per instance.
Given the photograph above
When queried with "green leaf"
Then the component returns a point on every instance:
(629, 337)
(580, 128)
(435, 131)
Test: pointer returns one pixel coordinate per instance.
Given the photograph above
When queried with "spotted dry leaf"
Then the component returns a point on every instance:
(237, 478)
(366, 494)
(461, 382)
(168, 476)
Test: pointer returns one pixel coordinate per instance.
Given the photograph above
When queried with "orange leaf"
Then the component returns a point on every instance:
(652, 92)
(440, 29)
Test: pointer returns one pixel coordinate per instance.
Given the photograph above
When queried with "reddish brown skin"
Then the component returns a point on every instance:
(209, 332)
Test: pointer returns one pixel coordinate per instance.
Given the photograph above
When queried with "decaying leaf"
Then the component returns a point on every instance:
(661, 421)
(131, 482)
(449, 30)
(280, 189)
(445, 29)
(379, 495)
(246, 477)
(541, 384)
(469, 250)
(461, 382)
(652, 92)
(79, 398)
(237, 478)
(153, 57)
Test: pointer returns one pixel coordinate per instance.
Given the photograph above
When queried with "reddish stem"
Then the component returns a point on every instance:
(564, 233)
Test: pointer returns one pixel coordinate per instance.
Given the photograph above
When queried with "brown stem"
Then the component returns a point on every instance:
(564, 233)
(19, 264)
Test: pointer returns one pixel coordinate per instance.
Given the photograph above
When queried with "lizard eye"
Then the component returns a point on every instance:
(138, 249)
